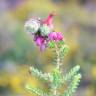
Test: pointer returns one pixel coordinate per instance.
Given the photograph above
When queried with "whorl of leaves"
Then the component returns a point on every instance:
(40, 74)
(71, 73)
(37, 91)
(73, 85)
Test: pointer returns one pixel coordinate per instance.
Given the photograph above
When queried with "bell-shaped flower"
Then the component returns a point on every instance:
(55, 36)
(59, 36)
(52, 36)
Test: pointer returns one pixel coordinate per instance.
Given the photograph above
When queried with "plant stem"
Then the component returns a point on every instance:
(58, 63)
(58, 57)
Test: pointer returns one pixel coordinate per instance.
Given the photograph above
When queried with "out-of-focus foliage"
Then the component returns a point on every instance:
(18, 52)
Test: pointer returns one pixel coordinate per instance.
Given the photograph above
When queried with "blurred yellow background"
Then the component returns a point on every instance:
(76, 19)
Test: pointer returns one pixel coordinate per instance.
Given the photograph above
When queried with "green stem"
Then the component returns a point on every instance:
(58, 63)
(58, 57)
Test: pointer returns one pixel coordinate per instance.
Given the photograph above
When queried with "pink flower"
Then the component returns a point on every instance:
(55, 36)
(40, 41)
(52, 36)
(48, 21)
(59, 36)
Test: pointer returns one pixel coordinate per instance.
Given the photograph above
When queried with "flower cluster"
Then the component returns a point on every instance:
(42, 30)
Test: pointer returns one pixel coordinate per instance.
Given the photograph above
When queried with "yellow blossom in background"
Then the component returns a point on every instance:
(93, 70)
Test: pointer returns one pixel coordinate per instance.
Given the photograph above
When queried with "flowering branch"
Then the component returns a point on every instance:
(44, 36)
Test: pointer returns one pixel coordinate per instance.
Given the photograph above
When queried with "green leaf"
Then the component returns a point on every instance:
(64, 50)
(55, 79)
(37, 73)
(60, 43)
(71, 74)
(51, 44)
(73, 85)
(37, 91)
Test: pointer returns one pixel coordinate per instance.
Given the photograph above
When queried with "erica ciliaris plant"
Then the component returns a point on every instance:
(45, 36)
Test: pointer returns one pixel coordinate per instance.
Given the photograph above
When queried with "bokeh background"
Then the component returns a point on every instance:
(76, 19)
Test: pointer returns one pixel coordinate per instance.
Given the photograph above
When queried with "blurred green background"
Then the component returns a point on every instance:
(76, 19)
